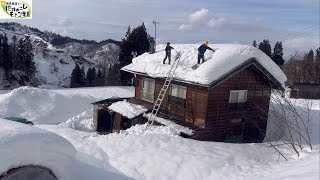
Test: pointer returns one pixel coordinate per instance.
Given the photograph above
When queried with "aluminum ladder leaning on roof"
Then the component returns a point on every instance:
(163, 90)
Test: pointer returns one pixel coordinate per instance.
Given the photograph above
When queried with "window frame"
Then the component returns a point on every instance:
(238, 100)
(181, 87)
(146, 91)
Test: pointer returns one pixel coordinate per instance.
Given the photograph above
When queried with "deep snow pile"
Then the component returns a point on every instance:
(81, 122)
(22, 145)
(141, 130)
(176, 127)
(54, 106)
(224, 59)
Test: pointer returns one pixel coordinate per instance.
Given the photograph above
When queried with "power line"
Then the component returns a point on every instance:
(299, 31)
(301, 34)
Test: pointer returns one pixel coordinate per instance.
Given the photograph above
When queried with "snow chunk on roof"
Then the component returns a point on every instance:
(225, 58)
(22, 144)
(127, 109)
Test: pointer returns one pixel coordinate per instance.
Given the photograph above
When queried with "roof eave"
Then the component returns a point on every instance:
(249, 62)
(174, 79)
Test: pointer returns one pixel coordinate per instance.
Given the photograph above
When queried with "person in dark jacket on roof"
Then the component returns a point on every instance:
(168, 53)
(201, 50)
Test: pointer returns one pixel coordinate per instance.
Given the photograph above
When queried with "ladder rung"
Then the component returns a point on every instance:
(163, 91)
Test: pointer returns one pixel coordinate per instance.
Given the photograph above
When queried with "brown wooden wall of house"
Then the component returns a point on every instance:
(219, 113)
(192, 109)
(209, 108)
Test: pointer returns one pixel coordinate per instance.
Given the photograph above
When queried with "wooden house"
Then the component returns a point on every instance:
(227, 105)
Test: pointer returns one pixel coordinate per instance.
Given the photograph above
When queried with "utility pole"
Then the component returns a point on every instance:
(155, 29)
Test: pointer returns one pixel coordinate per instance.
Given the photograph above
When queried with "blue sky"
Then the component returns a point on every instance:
(185, 21)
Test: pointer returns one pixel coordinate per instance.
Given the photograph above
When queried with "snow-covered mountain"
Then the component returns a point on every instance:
(55, 56)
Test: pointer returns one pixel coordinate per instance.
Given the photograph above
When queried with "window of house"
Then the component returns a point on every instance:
(178, 91)
(147, 93)
(238, 96)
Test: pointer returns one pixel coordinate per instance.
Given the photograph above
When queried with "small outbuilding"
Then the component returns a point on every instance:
(103, 118)
(306, 90)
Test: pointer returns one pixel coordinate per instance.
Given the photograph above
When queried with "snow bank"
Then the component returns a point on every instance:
(22, 144)
(81, 122)
(226, 58)
(127, 109)
(302, 169)
(42, 106)
(308, 110)
(176, 127)
(92, 162)
(54, 106)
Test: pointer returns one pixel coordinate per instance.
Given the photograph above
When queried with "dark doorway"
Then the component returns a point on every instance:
(125, 123)
(104, 122)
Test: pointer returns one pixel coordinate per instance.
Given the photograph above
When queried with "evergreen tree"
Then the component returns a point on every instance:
(278, 53)
(134, 41)
(89, 76)
(317, 66)
(75, 77)
(20, 65)
(7, 62)
(1, 51)
(113, 77)
(265, 47)
(254, 44)
(94, 73)
(82, 76)
(24, 57)
(99, 73)
(14, 53)
(29, 62)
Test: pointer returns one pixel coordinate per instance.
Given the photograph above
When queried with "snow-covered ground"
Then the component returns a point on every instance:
(157, 154)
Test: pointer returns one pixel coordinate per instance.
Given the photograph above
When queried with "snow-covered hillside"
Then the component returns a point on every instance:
(55, 63)
(158, 153)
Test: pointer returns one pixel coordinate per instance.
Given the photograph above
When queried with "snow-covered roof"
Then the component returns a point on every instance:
(225, 59)
(22, 145)
(127, 109)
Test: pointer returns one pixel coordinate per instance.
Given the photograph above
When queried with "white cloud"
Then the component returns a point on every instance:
(198, 15)
(61, 25)
(299, 44)
(185, 27)
(217, 22)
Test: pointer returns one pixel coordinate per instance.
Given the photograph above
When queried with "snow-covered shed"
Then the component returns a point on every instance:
(103, 118)
(114, 114)
(225, 98)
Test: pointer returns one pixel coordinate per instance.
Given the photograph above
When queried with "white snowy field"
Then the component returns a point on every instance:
(133, 154)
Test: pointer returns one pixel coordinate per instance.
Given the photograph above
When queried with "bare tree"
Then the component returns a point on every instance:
(291, 123)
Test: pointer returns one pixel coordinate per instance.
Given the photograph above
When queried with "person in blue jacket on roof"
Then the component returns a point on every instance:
(152, 42)
(201, 50)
